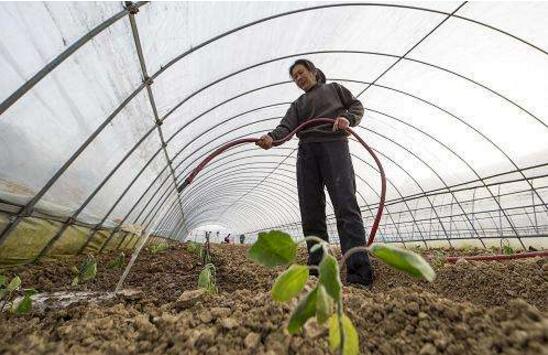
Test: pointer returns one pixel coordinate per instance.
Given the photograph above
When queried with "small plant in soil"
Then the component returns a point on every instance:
(196, 249)
(506, 247)
(207, 279)
(86, 272)
(118, 262)
(8, 291)
(438, 259)
(277, 248)
(157, 248)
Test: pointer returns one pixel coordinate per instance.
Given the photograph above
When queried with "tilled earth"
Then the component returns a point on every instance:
(471, 308)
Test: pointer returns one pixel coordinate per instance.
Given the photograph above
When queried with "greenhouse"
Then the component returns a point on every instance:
(139, 214)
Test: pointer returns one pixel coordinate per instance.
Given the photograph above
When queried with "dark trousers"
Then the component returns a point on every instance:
(328, 164)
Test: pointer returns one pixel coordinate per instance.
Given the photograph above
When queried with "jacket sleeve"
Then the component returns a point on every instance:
(354, 108)
(287, 124)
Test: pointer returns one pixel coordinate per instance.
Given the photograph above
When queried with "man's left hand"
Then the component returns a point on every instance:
(340, 123)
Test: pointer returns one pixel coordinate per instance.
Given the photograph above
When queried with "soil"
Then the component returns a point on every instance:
(471, 307)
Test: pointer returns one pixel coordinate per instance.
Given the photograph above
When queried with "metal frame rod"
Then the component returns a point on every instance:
(148, 82)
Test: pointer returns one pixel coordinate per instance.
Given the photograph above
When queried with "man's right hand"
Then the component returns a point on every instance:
(265, 142)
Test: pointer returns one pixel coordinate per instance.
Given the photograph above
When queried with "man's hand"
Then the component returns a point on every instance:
(265, 142)
(340, 123)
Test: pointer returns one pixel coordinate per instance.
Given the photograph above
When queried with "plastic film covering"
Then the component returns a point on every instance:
(105, 108)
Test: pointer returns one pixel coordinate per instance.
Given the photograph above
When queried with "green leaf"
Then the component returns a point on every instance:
(156, 248)
(329, 276)
(117, 263)
(75, 281)
(30, 291)
(351, 344)
(273, 248)
(14, 284)
(2, 280)
(24, 306)
(88, 270)
(290, 283)
(75, 270)
(323, 305)
(304, 310)
(404, 260)
(206, 279)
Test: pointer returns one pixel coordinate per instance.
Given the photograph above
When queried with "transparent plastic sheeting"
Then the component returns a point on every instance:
(454, 96)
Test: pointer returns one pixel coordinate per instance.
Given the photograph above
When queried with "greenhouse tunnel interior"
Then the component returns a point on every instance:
(106, 108)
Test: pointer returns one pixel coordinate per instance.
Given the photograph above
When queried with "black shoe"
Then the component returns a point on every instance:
(359, 281)
(362, 286)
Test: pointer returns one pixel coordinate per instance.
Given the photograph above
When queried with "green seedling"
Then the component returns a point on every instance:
(199, 250)
(8, 293)
(438, 259)
(25, 305)
(86, 272)
(207, 279)
(156, 248)
(8, 290)
(194, 248)
(276, 248)
(117, 263)
(506, 247)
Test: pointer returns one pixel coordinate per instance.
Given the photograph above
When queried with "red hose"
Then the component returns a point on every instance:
(218, 151)
(543, 254)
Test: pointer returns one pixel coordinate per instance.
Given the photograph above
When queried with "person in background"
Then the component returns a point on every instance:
(227, 238)
(323, 160)
(242, 239)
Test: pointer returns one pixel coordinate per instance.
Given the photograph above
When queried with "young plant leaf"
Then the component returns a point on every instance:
(24, 306)
(30, 291)
(75, 281)
(351, 344)
(304, 310)
(290, 283)
(156, 248)
(404, 260)
(507, 250)
(323, 305)
(89, 270)
(206, 279)
(273, 248)
(117, 263)
(14, 284)
(329, 276)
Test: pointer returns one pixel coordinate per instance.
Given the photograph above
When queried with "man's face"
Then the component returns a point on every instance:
(304, 78)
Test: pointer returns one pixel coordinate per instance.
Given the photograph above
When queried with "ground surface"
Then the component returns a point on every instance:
(472, 308)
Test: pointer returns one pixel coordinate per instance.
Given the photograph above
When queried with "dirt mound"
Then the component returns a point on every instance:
(473, 308)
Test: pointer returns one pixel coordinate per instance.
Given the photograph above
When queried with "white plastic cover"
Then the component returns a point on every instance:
(456, 109)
